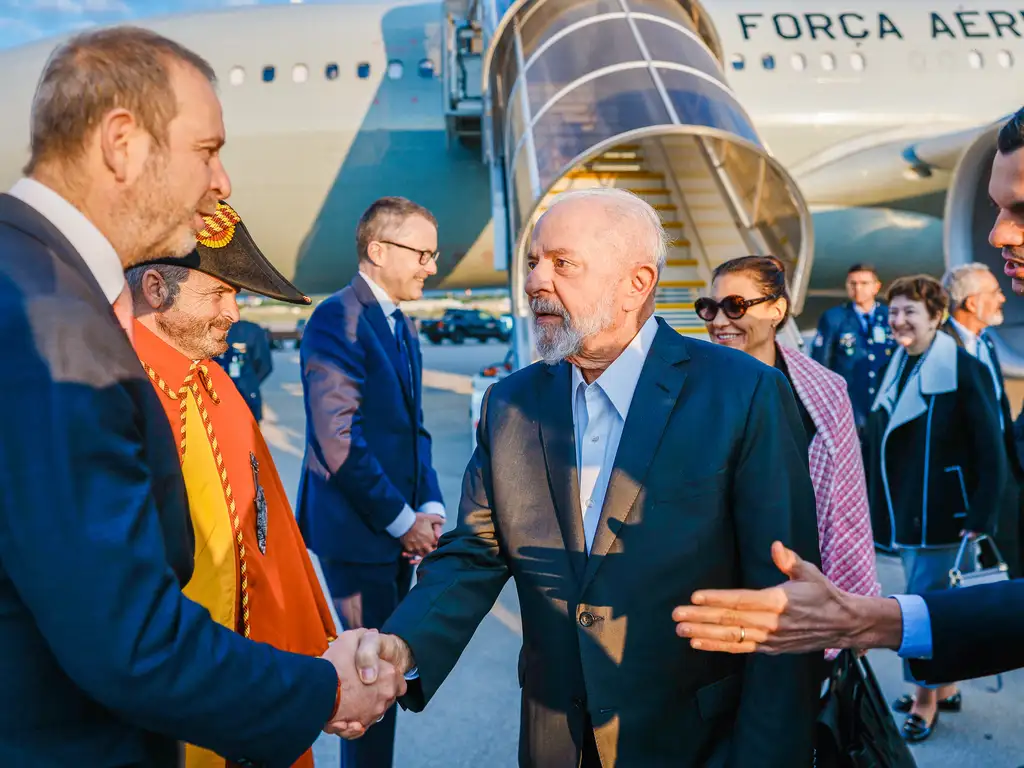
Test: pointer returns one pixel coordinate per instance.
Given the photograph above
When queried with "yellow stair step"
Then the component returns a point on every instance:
(641, 191)
(681, 263)
(666, 306)
(681, 284)
(678, 243)
(614, 174)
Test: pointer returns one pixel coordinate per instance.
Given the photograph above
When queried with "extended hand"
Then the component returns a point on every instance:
(362, 703)
(421, 539)
(376, 654)
(807, 613)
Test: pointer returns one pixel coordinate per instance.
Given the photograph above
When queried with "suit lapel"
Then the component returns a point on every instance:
(380, 326)
(558, 439)
(657, 391)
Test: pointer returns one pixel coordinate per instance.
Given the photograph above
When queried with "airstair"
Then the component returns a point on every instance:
(631, 94)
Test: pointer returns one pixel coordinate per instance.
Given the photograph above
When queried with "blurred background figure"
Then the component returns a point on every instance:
(248, 362)
(936, 462)
(975, 305)
(749, 301)
(854, 340)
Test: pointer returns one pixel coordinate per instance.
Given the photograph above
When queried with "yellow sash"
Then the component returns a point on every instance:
(213, 583)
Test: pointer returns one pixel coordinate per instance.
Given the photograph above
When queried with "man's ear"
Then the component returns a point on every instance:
(121, 142)
(642, 285)
(154, 289)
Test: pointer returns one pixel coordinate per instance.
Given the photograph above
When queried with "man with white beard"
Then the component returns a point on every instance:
(628, 468)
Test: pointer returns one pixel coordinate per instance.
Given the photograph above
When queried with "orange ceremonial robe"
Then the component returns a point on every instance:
(276, 598)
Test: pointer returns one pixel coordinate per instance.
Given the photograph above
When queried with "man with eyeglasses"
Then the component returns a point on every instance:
(369, 500)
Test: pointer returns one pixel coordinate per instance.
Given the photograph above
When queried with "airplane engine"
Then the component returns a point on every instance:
(969, 216)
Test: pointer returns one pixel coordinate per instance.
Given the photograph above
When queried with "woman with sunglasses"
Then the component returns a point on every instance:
(936, 462)
(749, 302)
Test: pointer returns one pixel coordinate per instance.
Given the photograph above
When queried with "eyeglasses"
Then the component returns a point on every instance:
(734, 307)
(425, 256)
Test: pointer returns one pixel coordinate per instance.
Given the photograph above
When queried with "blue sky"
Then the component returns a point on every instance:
(22, 21)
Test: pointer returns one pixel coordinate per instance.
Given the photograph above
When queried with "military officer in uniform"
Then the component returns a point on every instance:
(248, 362)
(854, 339)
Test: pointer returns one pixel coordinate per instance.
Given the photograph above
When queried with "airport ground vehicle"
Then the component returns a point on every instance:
(457, 325)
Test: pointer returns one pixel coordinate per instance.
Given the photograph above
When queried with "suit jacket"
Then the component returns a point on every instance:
(937, 464)
(973, 632)
(841, 345)
(104, 662)
(1008, 525)
(367, 451)
(708, 474)
(837, 473)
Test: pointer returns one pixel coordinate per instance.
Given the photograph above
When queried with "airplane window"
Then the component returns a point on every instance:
(828, 62)
(768, 61)
(268, 74)
(300, 73)
(857, 62)
(1005, 59)
(798, 61)
(331, 71)
(237, 76)
(395, 69)
(975, 59)
(426, 69)
(738, 62)
(363, 70)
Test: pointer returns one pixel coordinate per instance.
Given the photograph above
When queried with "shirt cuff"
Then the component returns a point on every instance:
(433, 508)
(917, 627)
(412, 674)
(401, 524)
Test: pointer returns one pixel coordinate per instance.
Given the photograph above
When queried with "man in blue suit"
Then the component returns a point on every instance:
(854, 340)
(103, 660)
(249, 362)
(369, 500)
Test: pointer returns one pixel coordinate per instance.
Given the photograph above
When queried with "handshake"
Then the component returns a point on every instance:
(371, 668)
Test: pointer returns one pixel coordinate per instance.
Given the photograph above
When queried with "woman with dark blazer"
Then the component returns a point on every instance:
(936, 461)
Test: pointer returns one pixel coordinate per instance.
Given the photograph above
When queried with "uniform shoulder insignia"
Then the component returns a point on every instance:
(220, 227)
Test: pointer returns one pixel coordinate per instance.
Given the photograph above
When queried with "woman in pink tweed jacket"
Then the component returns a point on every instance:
(748, 303)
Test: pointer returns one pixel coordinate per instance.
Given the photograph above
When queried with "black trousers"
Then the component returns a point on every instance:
(591, 759)
(380, 588)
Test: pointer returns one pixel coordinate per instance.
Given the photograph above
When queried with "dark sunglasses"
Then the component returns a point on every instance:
(734, 307)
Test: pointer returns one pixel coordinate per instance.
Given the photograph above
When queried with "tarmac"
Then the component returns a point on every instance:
(473, 721)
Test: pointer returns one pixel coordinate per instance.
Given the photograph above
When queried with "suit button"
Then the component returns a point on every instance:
(586, 619)
(871, 358)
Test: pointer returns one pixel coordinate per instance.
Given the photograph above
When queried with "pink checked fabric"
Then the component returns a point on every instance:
(837, 474)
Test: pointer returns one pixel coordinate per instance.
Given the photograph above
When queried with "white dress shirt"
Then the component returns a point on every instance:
(979, 349)
(407, 517)
(94, 248)
(599, 413)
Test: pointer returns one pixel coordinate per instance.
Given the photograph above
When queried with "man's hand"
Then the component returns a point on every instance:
(363, 702)
(805, 614)
(421, 539)
(375, 654)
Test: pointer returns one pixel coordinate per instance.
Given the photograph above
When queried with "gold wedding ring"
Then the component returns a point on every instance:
(743, 634)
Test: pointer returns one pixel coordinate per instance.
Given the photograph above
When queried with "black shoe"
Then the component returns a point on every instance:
(915, 729)
(952, 704)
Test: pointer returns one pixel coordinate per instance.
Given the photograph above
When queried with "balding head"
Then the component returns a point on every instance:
(594, 262)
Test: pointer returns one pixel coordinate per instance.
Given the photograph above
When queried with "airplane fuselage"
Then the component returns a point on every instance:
(328, 107)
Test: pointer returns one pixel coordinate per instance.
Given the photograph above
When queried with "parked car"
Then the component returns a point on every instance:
(459, 324)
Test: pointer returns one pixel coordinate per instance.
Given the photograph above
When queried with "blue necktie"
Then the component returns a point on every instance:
(404, 342)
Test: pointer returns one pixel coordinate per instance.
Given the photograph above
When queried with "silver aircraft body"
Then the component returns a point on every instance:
(330, 106)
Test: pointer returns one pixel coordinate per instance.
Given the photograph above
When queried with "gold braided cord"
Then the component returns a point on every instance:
(199, 373)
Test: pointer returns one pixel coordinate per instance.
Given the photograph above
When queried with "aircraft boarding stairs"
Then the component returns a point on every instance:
(630, 94)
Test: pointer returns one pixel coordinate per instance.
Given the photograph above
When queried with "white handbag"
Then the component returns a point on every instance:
(998, 572)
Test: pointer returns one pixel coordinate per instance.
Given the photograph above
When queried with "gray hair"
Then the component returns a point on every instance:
(173, 277)
(100, 70)
(962, 282)
(647, 236)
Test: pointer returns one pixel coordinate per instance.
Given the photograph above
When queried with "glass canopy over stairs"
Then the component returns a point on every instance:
(631, 94)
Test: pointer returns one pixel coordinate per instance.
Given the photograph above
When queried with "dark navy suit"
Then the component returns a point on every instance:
(858, 354)
(368, 456)
(103, 661)
(253, 366)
